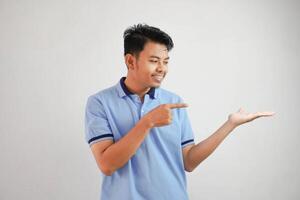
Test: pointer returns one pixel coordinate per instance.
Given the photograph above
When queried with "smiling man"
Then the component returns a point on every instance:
(140, 133)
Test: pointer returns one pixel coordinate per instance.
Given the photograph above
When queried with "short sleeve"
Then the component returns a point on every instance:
(97, 127)
(187, 134)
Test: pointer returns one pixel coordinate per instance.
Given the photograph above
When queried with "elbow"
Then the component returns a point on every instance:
(189, 169)
(106, 172)
(105, 169)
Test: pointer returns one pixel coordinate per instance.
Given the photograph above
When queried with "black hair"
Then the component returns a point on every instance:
(136, 36)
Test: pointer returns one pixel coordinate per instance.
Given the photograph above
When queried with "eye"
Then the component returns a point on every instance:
(166, 63)
(153, 61)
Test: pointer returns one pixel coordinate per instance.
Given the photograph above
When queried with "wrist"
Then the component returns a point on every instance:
(231, 124)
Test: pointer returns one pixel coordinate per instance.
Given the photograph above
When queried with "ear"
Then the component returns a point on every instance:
(130, 61)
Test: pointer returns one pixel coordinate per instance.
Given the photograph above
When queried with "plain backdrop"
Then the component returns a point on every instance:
(227, 55)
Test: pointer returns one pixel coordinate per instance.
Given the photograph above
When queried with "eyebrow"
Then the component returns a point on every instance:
(167, 58)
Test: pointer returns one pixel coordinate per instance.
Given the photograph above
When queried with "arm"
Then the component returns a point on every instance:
(194, 154)
(111, 156)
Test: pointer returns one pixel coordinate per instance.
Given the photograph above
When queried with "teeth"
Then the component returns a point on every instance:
(158, 77)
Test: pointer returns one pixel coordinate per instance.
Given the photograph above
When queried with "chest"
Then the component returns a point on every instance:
(123, 116)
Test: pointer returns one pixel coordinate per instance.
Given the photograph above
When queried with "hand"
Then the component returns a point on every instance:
(162, 115)
(241, 116)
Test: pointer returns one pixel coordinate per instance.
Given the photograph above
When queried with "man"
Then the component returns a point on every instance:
(140, 134)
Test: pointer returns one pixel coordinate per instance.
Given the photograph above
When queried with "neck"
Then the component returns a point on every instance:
(134, 87)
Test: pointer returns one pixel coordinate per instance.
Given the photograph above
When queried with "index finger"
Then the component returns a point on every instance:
(177, 105)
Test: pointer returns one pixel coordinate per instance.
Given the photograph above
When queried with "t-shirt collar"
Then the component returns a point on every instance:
(151, 92)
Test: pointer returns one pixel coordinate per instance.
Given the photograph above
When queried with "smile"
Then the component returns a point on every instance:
(158, 77)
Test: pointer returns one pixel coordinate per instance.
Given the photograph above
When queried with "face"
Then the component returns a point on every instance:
(150, 68)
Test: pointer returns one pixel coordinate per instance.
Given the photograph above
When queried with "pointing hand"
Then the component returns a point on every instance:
(162, 114)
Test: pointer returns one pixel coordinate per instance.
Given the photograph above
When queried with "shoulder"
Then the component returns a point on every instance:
(102, 96)
(104, 93)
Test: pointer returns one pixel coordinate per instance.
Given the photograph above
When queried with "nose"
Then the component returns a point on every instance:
(161, 67)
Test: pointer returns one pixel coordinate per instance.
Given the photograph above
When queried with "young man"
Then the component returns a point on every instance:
(140, 134)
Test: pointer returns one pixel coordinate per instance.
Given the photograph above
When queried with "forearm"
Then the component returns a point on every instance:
(118, 154)
(202, 150)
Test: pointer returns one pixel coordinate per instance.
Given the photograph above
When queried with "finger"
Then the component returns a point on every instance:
(177, 105)
(264, 114)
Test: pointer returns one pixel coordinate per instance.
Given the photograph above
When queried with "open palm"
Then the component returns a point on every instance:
(241, 116)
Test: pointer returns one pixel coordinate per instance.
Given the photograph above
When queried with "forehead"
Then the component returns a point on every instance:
(154, 49)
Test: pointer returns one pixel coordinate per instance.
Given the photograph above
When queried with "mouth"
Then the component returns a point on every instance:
(158, 78)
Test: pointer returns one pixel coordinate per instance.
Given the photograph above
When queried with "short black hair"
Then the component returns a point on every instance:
(136, 36)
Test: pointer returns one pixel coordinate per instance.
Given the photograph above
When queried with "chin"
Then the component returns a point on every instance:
(155, 84)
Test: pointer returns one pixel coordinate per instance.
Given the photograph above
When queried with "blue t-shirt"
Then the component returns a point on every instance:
(156, 170)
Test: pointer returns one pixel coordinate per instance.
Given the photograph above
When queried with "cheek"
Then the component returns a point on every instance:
(167, 68)
(148, 68)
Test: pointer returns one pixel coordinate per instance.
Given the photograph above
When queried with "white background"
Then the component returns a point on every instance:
(227, 54)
